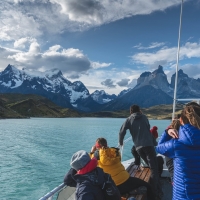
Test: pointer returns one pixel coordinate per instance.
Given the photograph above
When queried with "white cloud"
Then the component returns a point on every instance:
(98, 12)
(15, 24)
(97, 65)
(93, 79)
(72, 62)
(36, 18)
(22, 42)
(151, 46)
(167, 55)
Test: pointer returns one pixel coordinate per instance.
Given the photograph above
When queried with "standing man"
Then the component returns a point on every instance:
(139, 128)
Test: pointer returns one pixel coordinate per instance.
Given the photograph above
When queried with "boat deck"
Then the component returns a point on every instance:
(144, 173)
(140, 172)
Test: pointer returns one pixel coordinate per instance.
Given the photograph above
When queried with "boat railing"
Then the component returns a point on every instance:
(50, 195)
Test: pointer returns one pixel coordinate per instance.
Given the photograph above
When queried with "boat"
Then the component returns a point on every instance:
(63, 192)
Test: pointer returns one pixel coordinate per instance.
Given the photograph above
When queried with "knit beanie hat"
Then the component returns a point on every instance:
(79, 160)
(155, 128)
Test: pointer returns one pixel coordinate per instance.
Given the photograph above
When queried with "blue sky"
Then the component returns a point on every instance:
(105, 44)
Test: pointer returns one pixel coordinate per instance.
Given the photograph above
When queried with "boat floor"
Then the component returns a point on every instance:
(166, 188)
(164, 180)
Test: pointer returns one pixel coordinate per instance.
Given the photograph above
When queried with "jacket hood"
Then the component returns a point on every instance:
(110, 156)
(96, 177)
(137, 115)
(189, 135)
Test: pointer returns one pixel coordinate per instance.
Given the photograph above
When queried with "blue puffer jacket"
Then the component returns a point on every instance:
(186, 154)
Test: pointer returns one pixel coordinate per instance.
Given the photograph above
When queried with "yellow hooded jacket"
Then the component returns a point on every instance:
(110, 162)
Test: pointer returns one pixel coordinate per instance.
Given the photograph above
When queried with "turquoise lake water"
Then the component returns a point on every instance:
(35, 153)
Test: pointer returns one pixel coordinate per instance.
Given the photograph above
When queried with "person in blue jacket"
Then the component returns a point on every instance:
(185, 151)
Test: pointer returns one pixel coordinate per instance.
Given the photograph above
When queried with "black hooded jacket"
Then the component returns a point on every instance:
(88, 186)
(139, 128)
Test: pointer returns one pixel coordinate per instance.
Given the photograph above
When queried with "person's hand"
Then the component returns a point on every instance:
(173, 133)
(120, 144)
(93, 149)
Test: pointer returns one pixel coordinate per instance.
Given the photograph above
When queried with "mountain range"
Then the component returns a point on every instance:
(152, 89)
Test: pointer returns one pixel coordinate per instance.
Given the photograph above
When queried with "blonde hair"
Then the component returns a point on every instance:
(191, 115)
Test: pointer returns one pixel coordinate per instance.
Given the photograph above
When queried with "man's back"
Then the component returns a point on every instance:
(139, 127)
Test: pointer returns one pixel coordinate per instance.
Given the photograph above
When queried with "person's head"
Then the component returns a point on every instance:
(101, 142)
(191, 114)
(192, 104)
(79, 160)
(134, 109)
(155, 128)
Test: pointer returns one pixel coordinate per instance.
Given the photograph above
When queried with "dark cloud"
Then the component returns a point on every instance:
(68, 64)
(73, 76)
(108, 83)
(123, 82)
(85, 7)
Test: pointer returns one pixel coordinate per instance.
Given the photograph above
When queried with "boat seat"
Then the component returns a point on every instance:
(140, 172)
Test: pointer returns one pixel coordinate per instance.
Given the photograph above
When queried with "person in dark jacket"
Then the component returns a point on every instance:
(139, 127)
(185, 151)
(87, 177)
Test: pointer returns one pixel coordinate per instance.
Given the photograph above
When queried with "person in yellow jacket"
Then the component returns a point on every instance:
(109, 159)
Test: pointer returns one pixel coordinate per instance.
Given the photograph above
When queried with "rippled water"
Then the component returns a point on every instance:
(35, 153)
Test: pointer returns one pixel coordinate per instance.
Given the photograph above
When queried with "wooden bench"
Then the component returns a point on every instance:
(142, 173)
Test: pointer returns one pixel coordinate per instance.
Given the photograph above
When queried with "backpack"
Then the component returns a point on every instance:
(110, 190)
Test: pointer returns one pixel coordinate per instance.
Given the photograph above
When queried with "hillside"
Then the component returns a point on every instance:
(154, 112)
(25, 106)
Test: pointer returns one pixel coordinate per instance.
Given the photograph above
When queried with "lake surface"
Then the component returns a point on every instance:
(35, 153)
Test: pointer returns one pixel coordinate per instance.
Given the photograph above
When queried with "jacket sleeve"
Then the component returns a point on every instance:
(164, 137)
(166, 148)
(86, 196)
(69, 180)
(122, 131)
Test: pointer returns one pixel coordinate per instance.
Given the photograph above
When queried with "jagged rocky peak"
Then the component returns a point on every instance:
(98, 92)
(145, 74)
(158, 71)
(182, 74)
(157, 79)
(10, 68)
(53, 73)
(181, 77)
(79, 86)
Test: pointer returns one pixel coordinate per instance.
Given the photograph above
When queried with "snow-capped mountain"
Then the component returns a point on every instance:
(51, 84)
(102, 97)
(152, 89)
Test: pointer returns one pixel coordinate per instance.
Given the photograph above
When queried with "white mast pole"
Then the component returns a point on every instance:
(177, 62)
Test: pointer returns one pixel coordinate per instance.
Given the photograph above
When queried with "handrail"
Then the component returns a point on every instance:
(51, 193)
